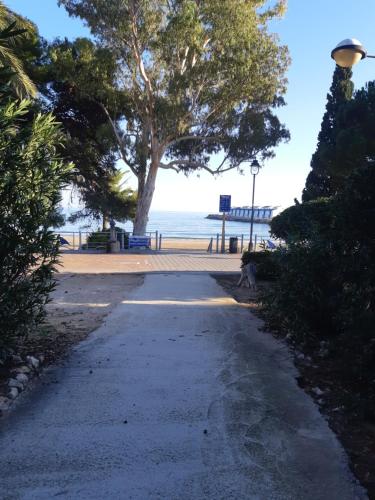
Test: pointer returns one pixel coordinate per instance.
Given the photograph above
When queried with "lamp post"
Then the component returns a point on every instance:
(254, 170)
(349, 52)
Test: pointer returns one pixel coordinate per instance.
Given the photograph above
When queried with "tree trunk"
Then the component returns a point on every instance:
(105, 225)
(144, 203)
(141, 183)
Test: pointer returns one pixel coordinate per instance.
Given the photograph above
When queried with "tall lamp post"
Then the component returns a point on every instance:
(349, 52)
(254, 170)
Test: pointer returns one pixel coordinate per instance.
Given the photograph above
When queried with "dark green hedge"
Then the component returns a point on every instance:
(266, 264)
(325, 288)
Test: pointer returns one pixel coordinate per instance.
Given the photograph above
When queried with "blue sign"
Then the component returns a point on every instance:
(139, 241)
(225, 200)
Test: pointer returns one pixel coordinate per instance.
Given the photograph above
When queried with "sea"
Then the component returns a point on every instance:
(182, 224)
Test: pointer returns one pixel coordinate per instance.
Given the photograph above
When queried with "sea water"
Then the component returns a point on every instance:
(182, 224)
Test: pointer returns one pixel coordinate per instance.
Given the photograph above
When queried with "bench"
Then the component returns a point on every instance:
(139, 241)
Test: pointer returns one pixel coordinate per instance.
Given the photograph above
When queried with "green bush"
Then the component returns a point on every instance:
(100, 239)
(302, 221)
(325, 288)
(304, 297)
(266, 264)
(31, 177)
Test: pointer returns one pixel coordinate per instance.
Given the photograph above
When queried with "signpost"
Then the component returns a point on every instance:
(225, 202)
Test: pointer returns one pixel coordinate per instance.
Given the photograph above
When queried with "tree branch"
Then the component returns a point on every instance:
(195, 164)
(191, 137)
(168, 166)
(119, 140)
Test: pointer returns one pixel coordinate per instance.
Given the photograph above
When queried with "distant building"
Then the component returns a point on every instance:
(265, 212)
(243, 214)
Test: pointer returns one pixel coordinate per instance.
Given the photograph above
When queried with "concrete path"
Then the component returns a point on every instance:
(75, 262)
(177, 396)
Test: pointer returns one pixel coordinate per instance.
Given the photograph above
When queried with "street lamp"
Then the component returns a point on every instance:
(349, 52)
(254, 170)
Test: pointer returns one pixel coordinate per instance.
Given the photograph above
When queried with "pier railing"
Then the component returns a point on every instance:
(89, 241)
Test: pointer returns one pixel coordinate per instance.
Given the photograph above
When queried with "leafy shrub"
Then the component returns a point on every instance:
(100, 239)
(31, 176)
(97, 239)
(304, 296)
(302, 221)
(266, 264)
(325, 288)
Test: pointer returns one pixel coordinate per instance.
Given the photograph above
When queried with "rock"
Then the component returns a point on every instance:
(13, 393)
(16, 360)
(12, 382)
(22, 369)
(21, 377)
(317, 391)
(4, 403)
(32, 362)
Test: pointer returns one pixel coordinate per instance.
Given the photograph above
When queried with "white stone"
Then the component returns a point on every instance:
(13, 393)
(12, 382)
(21, 377)
(317, 391)
(22, 369)
(33, 362)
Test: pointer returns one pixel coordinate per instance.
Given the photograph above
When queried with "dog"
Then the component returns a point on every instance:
(248, 273)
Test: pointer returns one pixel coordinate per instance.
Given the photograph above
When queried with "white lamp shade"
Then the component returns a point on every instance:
(255, 167)
(348, 52)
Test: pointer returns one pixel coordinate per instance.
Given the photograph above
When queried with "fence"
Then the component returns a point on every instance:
(98, 241)
(95, 240)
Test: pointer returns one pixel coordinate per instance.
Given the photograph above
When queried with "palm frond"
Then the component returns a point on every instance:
(12, 27)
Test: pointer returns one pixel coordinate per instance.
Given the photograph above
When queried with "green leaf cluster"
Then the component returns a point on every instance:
(20, 46)
(31, 175)
(78, 77)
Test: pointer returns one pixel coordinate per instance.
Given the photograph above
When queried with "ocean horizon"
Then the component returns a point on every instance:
(180, 224)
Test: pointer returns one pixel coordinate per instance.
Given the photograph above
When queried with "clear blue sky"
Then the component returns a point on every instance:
(310, 29)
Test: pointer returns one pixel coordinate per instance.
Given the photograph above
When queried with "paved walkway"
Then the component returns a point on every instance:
(176, 396)
(74, 262)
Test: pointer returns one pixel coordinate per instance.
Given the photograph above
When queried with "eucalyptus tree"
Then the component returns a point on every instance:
(189, 74)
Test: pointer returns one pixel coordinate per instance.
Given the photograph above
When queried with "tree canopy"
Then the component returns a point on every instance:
(326, 163)
(91, 144)
(191, 79)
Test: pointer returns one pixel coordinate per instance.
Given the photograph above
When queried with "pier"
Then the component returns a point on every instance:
(262, 215)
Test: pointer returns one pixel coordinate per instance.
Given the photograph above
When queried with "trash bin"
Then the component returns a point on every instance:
(233, 245)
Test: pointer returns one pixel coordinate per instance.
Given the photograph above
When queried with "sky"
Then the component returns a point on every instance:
(310, 29)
